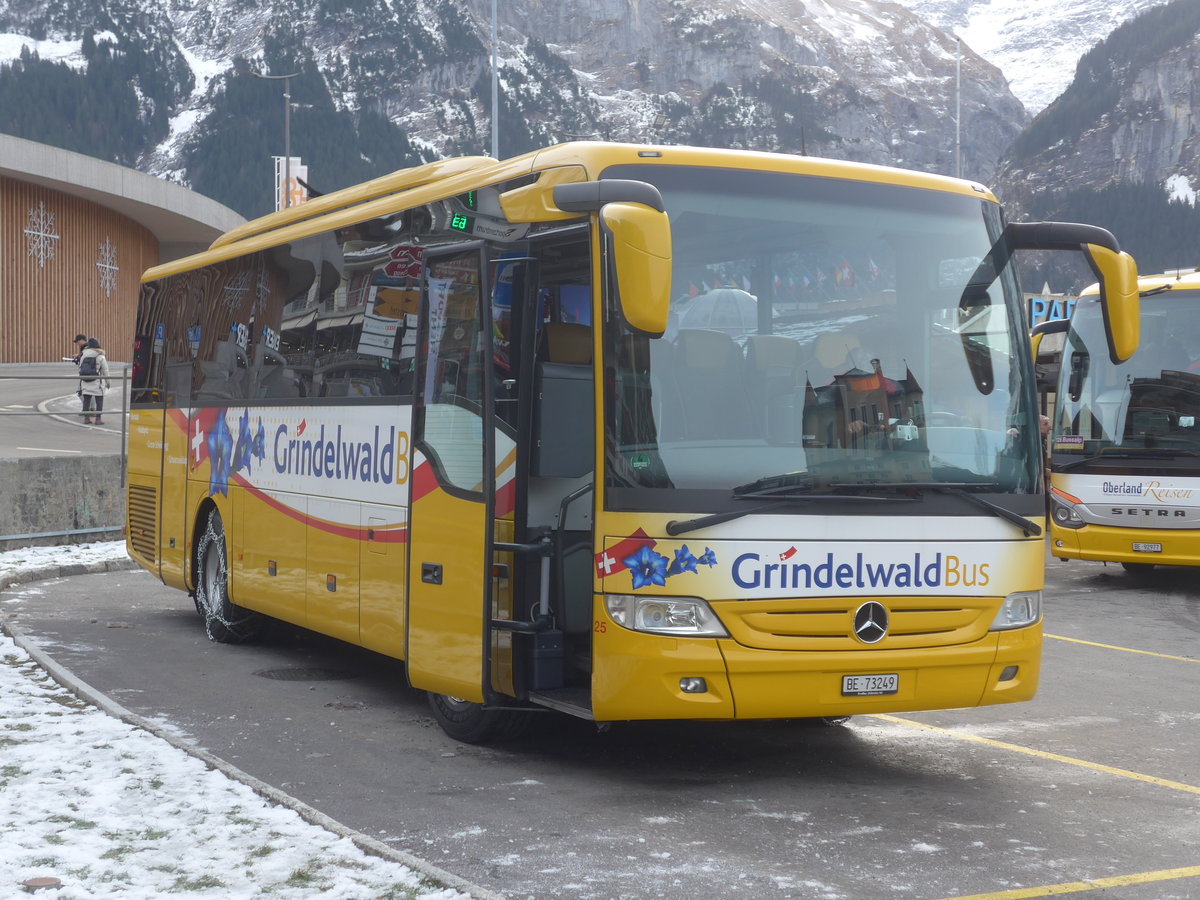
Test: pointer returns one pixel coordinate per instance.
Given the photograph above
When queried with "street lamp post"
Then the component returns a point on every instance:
(495, 89)
(287, 130)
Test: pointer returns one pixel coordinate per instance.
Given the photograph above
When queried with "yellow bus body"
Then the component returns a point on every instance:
(345, 564)
(1121, 527)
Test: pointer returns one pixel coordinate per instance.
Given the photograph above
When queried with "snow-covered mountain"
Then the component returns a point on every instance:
(1034, 43)
(854, 79)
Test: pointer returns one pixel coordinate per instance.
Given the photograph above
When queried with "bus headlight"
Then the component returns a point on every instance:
(1018, 610)
(683, 616)
(1064, 514)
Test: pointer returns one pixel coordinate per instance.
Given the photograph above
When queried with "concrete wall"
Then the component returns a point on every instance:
(61, 494)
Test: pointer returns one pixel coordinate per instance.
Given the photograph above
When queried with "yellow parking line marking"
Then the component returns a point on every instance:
(1123, 649)
(1093, 884)
(1042, 754)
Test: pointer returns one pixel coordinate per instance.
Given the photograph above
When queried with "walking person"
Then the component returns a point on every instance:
(80, 342)
(93, 381)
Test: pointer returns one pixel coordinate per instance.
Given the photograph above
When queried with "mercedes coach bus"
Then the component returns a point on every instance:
(627, 432)
(1125, 453)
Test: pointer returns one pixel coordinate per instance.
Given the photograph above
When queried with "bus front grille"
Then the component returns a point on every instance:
(142, 506)
(829, 625)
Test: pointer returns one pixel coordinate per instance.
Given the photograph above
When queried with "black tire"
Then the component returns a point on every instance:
(224, 622)
(472, 724)
(1137, 568)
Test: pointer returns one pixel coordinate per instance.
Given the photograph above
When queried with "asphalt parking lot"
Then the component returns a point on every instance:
(1093, 788)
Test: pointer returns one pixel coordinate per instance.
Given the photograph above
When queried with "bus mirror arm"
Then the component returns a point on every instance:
(1114, 270)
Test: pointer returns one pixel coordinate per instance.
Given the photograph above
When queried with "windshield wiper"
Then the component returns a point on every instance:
(958, 489)
(676, 526)
(1131, 453)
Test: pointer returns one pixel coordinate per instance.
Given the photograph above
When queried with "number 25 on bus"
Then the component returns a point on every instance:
(621, 431)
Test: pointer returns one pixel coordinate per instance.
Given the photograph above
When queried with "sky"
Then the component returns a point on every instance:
(111, 810)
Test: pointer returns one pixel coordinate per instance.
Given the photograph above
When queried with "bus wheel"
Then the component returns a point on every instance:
(472, 724)
(224, 622)
(1137, 568)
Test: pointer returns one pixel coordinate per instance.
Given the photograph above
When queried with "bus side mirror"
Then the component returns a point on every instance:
(641, 246)
(631, 214)
(1121, 302)
(1115, 270)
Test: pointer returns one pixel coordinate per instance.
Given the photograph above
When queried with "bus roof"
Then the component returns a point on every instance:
(434, 181)
(1176, 279)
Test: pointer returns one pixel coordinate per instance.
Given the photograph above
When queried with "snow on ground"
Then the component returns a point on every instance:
(111, 810)
(69, 52)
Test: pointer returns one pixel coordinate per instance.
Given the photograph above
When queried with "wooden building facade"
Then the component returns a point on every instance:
(67, 265)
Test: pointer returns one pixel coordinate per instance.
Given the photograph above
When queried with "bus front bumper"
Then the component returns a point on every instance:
(1105, 543)
(645, 676)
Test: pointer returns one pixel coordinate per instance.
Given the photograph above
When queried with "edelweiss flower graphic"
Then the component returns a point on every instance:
(647, 567)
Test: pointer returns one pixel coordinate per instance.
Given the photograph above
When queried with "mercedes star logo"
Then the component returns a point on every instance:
(871, 622)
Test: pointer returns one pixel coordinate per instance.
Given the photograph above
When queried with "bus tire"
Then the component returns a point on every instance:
(1137, 568)
(224, 622)
(472, 724)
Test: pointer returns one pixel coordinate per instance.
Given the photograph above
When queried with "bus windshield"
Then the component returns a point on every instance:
(1147, 406)
(825, 334)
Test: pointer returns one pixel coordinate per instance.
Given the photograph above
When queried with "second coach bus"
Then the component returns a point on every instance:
(622, 431)
(1125, 451)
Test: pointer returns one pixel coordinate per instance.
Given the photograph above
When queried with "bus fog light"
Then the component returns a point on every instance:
(1018, 610)
(683, 616)
(693, 685)
(1009, 673)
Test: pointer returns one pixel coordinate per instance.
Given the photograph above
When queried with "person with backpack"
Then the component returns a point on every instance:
(93, 381)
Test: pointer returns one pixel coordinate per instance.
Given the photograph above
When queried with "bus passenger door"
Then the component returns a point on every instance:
(453, 481)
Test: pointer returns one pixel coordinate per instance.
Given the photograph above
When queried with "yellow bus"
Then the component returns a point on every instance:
(1125, 479)
(628, 432)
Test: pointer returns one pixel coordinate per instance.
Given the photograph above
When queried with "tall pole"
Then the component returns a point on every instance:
(958, 107)
(287, 143)
(287, 130)
(495, 90)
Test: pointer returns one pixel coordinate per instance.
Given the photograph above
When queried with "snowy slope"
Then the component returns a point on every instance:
(1034, 43)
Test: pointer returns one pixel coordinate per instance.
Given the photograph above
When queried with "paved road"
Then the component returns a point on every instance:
(1098, 778)
(40, 413)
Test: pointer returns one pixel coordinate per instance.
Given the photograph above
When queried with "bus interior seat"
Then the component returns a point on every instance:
(773, 373)
(271, 376)
(709, 383)
(226, 375)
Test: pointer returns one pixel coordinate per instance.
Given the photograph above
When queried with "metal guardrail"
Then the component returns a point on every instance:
(121, 412)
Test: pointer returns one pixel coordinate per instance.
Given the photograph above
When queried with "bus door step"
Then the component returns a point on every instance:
(573, 701)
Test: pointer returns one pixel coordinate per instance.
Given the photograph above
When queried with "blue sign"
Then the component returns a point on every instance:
(1050, 309)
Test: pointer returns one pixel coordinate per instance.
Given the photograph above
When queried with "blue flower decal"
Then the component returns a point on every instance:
(258, 448)
(241, 450)
(708, 558)
(684, 562)
(220, 450)
(647, 568)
